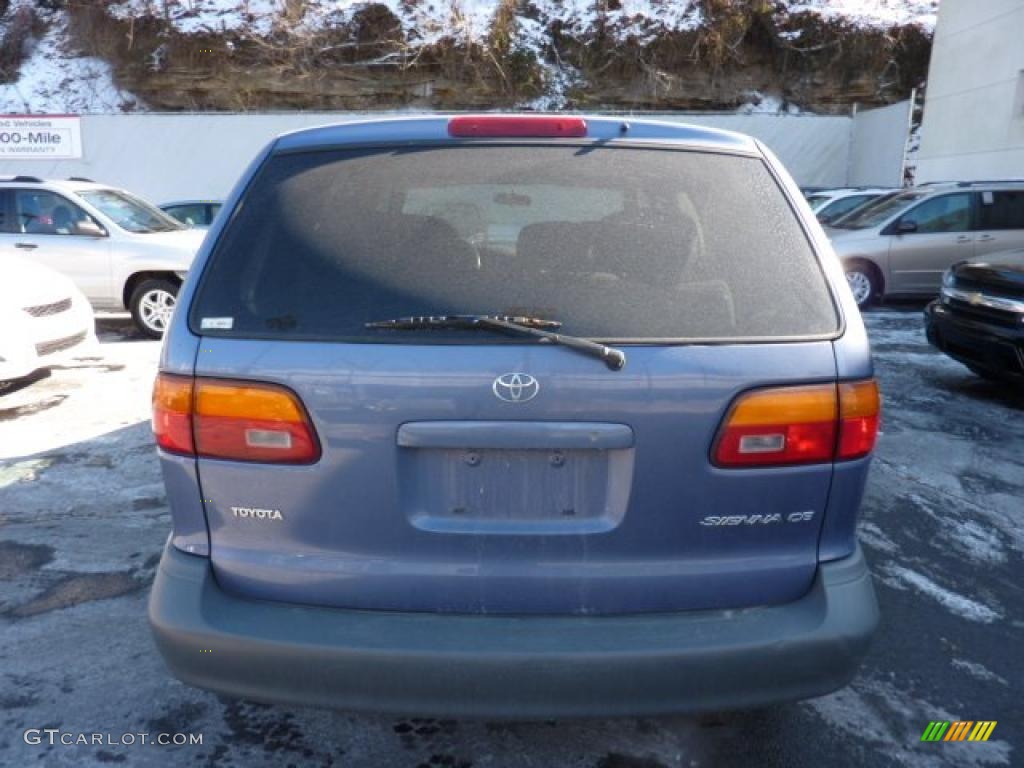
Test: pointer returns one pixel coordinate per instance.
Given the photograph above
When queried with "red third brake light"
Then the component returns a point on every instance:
(799, 425)
(226, 419)
(517, 126)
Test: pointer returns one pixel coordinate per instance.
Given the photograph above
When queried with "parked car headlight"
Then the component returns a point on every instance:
(948, 279)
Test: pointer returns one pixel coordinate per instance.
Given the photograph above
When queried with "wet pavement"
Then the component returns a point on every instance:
(83, 518)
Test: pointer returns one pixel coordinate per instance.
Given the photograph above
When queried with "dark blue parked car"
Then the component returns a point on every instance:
(515, 416)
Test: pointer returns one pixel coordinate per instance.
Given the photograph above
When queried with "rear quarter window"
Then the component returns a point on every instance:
(616, 243)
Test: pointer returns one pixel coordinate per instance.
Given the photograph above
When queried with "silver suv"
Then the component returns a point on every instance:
(121, 252)
(901, 245)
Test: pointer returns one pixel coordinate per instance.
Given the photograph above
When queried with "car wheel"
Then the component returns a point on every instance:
(863, 283)
(151, 306)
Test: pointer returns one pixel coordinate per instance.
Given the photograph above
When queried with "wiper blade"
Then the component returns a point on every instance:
(615, 359)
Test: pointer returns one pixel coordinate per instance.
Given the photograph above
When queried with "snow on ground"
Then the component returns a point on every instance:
(55, 79)
(873, 13)
(642, 20)
(194, 16)
(876, 538)
(112, 392)
(767, 104)
(956, 603)
(883, 713)
(978, 671)
(426, 21)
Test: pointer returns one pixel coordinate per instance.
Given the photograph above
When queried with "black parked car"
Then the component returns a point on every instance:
(979, 319)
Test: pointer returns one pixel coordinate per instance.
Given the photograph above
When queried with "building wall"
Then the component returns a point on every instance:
(974, 107)
(877, 153)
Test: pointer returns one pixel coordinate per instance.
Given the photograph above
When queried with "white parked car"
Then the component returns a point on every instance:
(198, 214)
(122, 252)
(44, 319)
(832, 204)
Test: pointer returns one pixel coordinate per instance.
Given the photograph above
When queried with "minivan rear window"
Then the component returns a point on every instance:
(615, 243)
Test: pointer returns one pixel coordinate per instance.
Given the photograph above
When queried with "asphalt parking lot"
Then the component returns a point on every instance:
(83, 518)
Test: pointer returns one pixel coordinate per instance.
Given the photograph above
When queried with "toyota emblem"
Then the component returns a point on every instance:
(515, 387)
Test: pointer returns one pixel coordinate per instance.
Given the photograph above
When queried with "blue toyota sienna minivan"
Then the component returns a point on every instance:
(515, 416)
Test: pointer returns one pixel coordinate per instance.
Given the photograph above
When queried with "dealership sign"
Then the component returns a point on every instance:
(42, 137)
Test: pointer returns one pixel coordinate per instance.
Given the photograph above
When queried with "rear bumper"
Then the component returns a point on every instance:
(514, 667)
(991, 347)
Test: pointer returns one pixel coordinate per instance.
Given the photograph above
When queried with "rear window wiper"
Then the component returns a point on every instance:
(615, 359)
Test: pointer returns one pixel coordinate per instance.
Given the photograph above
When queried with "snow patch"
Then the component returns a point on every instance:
(951, 601)
(875, 538)
(977, 542)
(979, 671)
(54, 79)
(196, 16)
(882, 714)
(872, 13)
(770, 104)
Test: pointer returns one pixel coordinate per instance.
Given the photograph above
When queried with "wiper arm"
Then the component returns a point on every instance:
(615, 359)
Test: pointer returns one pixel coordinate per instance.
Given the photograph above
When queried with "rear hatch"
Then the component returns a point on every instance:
(478, 472)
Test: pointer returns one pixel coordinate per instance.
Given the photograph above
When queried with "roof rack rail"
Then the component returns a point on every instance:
(950, 183)
(989, 181)
(80, 178)
(25, 179)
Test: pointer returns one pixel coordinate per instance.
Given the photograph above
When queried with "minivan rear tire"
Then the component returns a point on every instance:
(151, 305)
(864, 282)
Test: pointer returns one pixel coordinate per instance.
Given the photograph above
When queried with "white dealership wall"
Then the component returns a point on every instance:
(876, 159)
(973, 124)
(165, 157)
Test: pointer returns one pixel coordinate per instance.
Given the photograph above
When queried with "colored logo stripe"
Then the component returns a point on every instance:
(935, 730)
(982, 731)
(961, 730)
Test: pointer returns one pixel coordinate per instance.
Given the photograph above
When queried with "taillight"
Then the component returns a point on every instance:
(516, 126)
(172, 413)
(799, 425)
(859, 411)
(238, 420)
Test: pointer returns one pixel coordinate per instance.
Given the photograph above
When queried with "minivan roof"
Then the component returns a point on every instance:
(434, 128)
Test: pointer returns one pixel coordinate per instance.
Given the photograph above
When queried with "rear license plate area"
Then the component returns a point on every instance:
(517, 491)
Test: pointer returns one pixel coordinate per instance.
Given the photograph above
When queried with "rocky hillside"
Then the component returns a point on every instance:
(766, 55)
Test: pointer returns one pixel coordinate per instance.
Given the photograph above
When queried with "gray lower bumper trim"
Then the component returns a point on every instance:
(515, 667)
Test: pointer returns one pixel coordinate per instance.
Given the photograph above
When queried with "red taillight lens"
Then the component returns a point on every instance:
(860, 408)
(516, 126)
(799, 425)
(787, 425)
(172, 413)
(239, 420)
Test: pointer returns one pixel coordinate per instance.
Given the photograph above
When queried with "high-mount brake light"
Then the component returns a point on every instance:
(799, 425)
(237, 420)
(517, 126)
